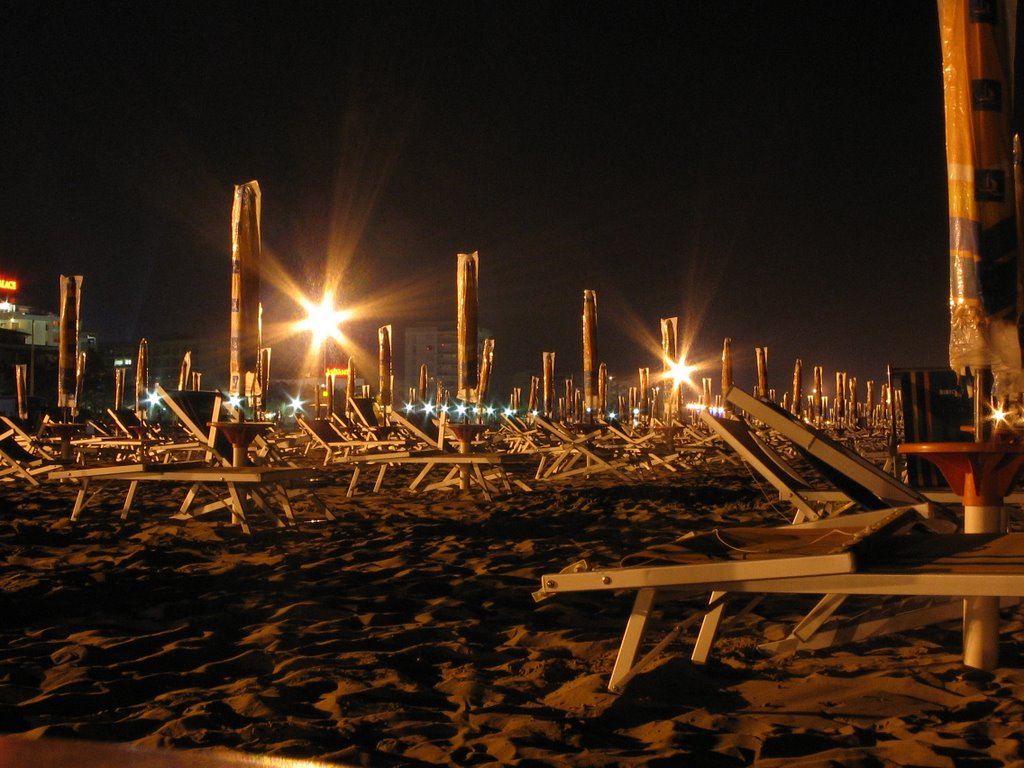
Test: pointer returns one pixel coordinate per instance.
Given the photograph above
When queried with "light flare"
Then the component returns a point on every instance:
(681, 372)
(322, 320)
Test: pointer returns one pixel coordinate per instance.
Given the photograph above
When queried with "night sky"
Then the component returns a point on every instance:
(769, 171)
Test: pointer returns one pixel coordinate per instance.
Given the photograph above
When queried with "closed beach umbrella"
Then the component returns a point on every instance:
(67, 362)
(761, 354)
(79, 378)
(421, 389)
(184, 373)
(331, 382)
(669, 358)
(350, 384)
(798, 373)
(531, 399)
(466, 325)
(384, 365)
(119, 374)
(21, 389)
(263, 377)
(142, 378)
(644, 390)
(819, 402)
(976, 41)
(486, 366)
(245, 286)
(727, 380)
(548, 391)
(590, 350)
(669, 342)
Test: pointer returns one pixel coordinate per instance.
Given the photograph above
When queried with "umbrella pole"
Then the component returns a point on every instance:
(980, 396)
(981, 515)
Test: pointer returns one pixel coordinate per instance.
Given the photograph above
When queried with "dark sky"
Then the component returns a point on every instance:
(769, 171)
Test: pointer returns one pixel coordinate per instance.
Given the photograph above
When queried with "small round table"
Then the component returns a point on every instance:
(981, 474)
(240, 434)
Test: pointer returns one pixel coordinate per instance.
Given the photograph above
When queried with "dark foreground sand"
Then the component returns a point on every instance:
(404, 633)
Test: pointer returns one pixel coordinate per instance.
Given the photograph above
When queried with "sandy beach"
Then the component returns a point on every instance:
(405, 633)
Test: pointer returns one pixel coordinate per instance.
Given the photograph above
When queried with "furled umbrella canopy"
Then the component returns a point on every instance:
(142, 378)
(486, 367)
(727, 380)
(350, 384)
(263, 374)
(466, 325)
(602, 389)
(978, 61)
(119, 377)
(21, 389)
(669, 360)
(79, 380)
(385, 372)
(798, 372)
(644, 391)
(761, 357)
(421, 388)
(669, 342)
(531, 398)
(590, 350)
(245, 286)
(548, 390)
(185, 371)
(67, 362)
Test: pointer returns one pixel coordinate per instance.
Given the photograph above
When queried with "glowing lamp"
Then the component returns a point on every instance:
(322, 320)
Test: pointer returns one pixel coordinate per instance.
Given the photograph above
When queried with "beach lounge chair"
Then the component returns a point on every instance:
(574, 455)
(33, 442)
(326, 435)
(855, 476)
(834, 556)
(20, 463)
(236, 489)
(855, 484)
(810, 502)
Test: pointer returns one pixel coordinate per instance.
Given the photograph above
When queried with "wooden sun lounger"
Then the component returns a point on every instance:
(814, 559)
